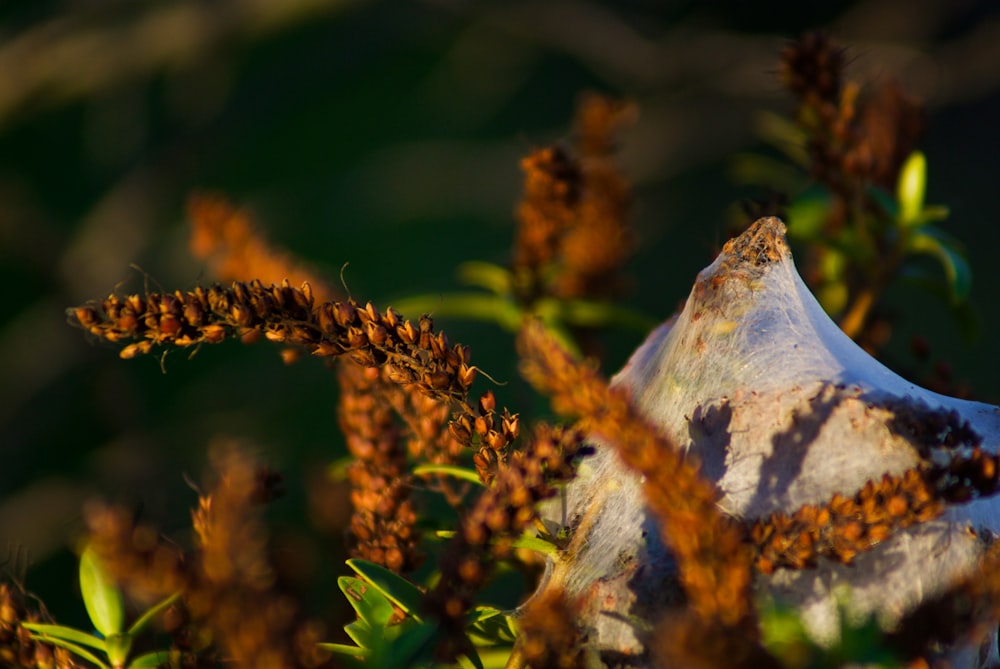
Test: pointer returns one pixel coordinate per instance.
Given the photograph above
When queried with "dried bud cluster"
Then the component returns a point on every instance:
(849, 144)
(572, 234)
(549, 637)
(411, 353)
(968, 610)
(228, 582)
(713, 565)
(501, 514)
(17, 648)
(224, 236)
(844, 527)
(383, 522)
(494, 436)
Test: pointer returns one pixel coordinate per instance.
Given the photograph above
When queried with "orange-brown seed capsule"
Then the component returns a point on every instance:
(214, 333)
(170, 325)
(86, 316)
(487, 403)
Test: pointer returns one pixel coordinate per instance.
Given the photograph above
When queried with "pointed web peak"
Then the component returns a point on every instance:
(762, 243)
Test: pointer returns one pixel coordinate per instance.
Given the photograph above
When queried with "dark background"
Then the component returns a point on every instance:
(386, 136)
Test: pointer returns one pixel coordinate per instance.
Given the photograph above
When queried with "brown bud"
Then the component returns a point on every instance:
(487, 403)
(86, 316)
(214, 333)
(376, 333)
(170, 325)
(407, 333)
(138, 348)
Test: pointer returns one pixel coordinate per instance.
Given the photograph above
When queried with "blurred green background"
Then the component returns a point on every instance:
(385, 136)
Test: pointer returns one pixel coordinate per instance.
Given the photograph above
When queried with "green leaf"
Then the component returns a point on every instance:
(932, 241)
(526, 540)
(759, 170)
(536, 544)
(67, 634)
(470, 306)
(807, 214)
(370, 604)
(147, 617)
(401, 592)
(463, 473)
(77, 650)
(101, 596)
(473, 659)
(119, 646)
(933, 213)
(493, 630)
(884, 200)
(344, 649)
(157, 658)
(481, 613)
(494, 658)
(361, 633)
(910, 189)
(591, 313)
(494, 278)
(784, 134)
(413, 642)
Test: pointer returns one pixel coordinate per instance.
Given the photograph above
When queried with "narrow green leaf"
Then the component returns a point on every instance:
(934, 213)
(760, 170)
(807, 214)
(494, 278)
(784, 134)
(528, 541)
(156, 658)
(411, 644)
(493, 630)
(401, 592)
(370, 604)
(910, 189)
(119, 646)
(454, 471)
(150, 614)
(470, 306)
(536, 544)
(481, 613)
(495, 658)
(67, 634)
(101, 596)
(344, 649)
(77, 650)
(956, 268)
(473, 659)
(361, 633)
(885, 200)
(591, 313)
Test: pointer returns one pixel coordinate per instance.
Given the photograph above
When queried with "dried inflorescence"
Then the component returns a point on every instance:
(713, 564)
(17, 648)
(411, 353)
(227, 583)
(852, 143)
(382, 526)
(225, 238)
(549, 637)
(499, 516)
(572, 235)
(845, 526)
(966, 611)
(494, 433)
